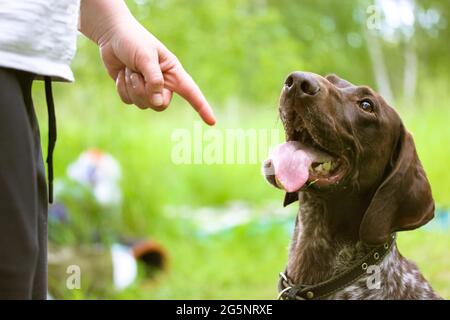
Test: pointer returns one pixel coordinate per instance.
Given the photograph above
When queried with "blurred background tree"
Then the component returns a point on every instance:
(244, 48)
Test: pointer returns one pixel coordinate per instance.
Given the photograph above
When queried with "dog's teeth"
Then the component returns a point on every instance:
(326, 166)
(323, 167)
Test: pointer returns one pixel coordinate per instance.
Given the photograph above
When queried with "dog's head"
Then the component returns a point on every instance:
(367, 148)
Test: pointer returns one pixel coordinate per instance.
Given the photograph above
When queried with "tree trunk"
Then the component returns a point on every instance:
(410, 72)
(378, 65)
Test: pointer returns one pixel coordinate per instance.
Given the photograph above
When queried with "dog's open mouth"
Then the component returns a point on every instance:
(325, 169)
(302, 162)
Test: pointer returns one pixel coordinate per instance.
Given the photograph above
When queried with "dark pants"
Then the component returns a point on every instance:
(23, 193)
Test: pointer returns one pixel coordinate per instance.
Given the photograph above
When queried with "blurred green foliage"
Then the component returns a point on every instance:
(246, 48)
(240, 52)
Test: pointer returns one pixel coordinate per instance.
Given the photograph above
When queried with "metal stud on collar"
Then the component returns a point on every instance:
(292, 291)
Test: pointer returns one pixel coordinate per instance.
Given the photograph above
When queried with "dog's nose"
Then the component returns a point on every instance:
(303, 83)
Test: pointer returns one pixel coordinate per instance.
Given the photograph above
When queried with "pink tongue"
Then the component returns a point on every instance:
(291, 165)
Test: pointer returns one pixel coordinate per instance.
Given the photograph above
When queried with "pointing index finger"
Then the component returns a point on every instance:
(188, 89)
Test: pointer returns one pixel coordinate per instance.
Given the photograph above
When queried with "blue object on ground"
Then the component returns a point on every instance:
(441, 220)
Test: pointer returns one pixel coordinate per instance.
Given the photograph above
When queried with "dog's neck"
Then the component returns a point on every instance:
(326, 236)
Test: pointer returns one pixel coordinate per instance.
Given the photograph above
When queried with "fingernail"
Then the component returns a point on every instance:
(119, 76)
(127, 75)
(157, 99)
(134, 80)
(212, 117)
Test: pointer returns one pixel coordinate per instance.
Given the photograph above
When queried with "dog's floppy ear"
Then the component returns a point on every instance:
(289, 198)
(403, 201)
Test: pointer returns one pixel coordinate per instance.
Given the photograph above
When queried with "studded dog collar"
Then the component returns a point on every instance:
(290, 291)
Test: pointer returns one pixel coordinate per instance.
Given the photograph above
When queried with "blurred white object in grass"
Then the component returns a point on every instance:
(124, 266)
(213, 220)
(99, 171)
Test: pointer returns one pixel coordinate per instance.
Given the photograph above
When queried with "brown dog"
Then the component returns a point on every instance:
(354, 167)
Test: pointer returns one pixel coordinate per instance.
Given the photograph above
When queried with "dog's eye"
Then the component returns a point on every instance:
(366, 105)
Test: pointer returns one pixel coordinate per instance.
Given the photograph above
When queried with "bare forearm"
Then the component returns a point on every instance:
(97, 17)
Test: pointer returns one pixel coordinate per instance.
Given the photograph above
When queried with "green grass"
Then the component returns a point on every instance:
(244, 264)
(430, 251)
(238, 265)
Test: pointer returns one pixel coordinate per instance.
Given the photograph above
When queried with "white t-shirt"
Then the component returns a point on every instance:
(39, 36)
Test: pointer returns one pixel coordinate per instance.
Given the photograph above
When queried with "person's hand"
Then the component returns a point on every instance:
(145, 71)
